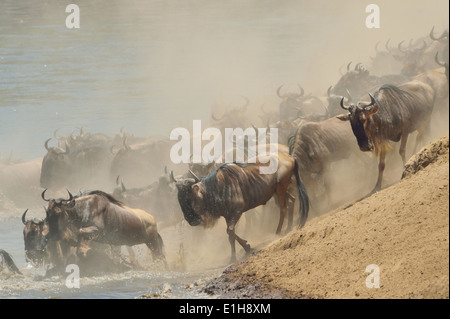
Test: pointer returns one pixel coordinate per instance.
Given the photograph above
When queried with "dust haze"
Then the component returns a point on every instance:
(151, 66)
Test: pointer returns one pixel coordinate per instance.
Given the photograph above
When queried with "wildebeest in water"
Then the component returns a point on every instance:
(235, 188)
(98, 216)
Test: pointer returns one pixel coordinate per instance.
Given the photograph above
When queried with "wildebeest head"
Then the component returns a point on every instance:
(55, 165)
(359, 116)
(190, 197)
(34, 236)
(289, 104)
(58, 217)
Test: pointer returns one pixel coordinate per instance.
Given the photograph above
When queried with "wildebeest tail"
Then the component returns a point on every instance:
(9, 262)
(303, 197)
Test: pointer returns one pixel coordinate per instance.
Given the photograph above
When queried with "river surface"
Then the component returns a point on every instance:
(151, 66)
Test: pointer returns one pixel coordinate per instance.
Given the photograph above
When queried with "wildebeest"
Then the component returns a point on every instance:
(290, 102)
(315, 146)
(81, 163)
(355, 83)
(100, 217)
(138, 164)
(235, 188)
(158, 199)
(9, 262)
(392, 114)
(39, 250)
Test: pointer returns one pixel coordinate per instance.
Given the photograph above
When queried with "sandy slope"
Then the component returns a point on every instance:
(404, 229)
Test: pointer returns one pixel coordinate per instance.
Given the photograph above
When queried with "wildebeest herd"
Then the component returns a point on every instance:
(361, 112)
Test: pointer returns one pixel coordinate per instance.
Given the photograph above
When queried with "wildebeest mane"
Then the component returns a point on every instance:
(107, 196)
(394, 107)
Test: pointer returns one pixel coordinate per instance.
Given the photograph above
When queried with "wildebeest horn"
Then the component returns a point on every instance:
(423, 47)
(247, 102)
(172, 178)
(386, 45)
(215, 118)
(349, 95)
(46, 144)
(278, 91)
(348, 66)
(23, 217)
(376, 47)
(195, 176)
(43, 195)
(343, 106)
(262, 109)
(70, 196)
(125, 145)
(329, 90)
(436, 58)
(358, 67)
(372, 100)
(302, 92)
(400, 47)
(443, 35)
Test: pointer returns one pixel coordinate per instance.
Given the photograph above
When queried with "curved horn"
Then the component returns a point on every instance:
(195, 176)
(43, 195)
(348, 66)
(23, 217)
(54, 134)
(329, 90)
(125, 145)
(264, 111)
(372, 103)
(172, 178)
(386, 45)
(423, 47)
(70, 196)
(343, 106)
(376, 47)
(247, 102)
(302, 92)
(400, 47)
(358, 67)
(436, 58)
(278, 91)
(443, 35)
(349, 95)
(215, 118)
(46, 144)
(372, 99)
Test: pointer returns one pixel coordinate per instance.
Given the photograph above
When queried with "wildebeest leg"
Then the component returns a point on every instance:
(381, 166)
(422, 132)
(282, 202)
(156, 247)
(232, 237)
(402, 150)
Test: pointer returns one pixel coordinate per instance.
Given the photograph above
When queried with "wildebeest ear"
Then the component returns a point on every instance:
(343, 117)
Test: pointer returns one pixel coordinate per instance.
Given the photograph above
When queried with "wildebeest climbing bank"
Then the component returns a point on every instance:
(209, 149)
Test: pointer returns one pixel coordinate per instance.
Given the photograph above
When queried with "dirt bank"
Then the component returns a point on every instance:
(403, 229)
